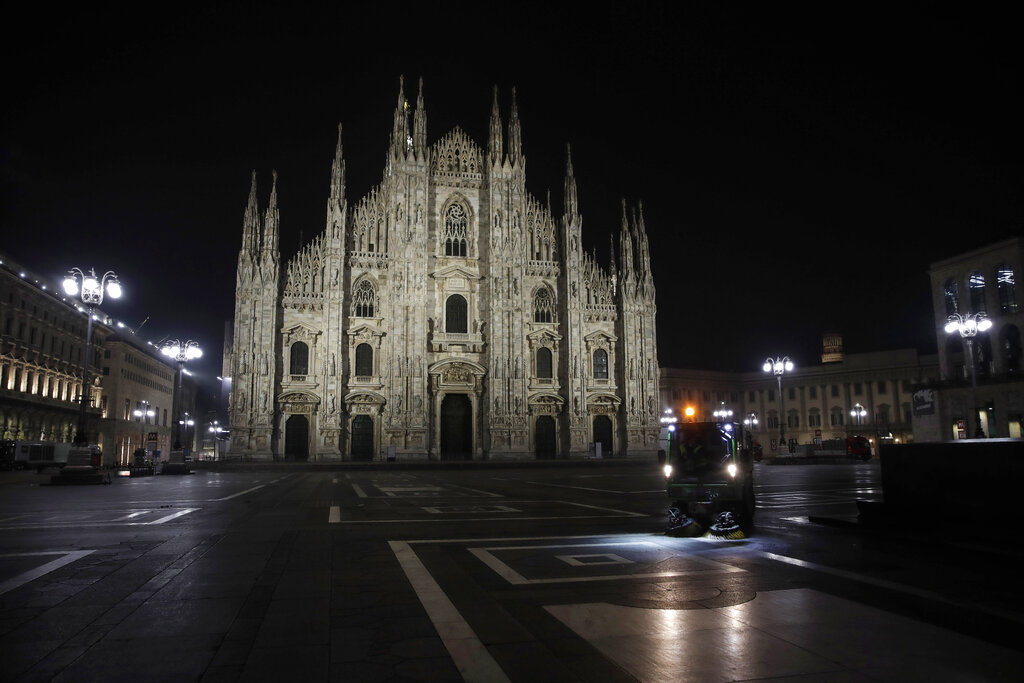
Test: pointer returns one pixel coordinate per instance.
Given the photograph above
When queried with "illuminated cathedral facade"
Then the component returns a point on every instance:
(447, 314)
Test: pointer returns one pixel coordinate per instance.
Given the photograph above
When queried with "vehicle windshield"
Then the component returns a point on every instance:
(700, 449)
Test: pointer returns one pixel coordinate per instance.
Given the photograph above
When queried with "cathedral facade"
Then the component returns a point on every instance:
(448, 314)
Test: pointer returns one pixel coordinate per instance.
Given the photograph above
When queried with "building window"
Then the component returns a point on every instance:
(455, 231)
(363, 300)
(751, 396)
(544, 363)
(543, 310)
(1005, 287)
(858, 389)
(455, 309)
(813, 392)
(793, 420)
(364, 360)
(836, 418)
(600, 364)
(772, 422)
(951, 295)
(882, 387)
(976, 287)
(299, 364)
(814, 420)
(792, 394)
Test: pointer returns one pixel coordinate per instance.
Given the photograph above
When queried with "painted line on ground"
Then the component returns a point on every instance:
(468, 653)
(335, 515)
(32, 574)
(894, 586)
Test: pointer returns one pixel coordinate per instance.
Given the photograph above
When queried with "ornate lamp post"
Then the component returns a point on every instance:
(90, 289)
(858, 413)
(723, 414)
(780, 366)
(181, 352)
(969, 325)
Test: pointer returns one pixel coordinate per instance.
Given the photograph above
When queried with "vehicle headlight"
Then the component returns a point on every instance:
(732, 470)
(668, 471)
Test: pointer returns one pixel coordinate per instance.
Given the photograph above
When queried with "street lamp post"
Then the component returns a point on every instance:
(858, 413)
(780, 366)
(749, 423)
(90, 289)
(181, 352)
(723, 414)
(216, 430)
(969, 325)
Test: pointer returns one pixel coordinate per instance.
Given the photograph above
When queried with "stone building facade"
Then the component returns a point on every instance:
(42, 356)
(986, 397)
(846, 394)
(447, 314)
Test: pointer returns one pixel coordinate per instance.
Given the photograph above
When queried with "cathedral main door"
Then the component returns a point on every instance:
(362, 437)
(296, 438)
(603, 434)
(456, 427)
(544, 438)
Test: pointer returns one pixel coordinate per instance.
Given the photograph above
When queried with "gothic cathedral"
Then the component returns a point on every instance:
(448, 314)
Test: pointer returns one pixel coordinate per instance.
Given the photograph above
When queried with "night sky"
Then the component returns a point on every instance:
(799, 168)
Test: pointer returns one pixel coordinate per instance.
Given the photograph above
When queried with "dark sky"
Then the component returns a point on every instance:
(800, 167)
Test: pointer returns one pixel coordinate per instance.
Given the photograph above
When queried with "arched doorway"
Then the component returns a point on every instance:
(362, 437)
(544, 438)
(296, 438)
(456, 427)
(603, 434)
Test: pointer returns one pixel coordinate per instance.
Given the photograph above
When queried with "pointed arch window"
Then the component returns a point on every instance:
(299, 363)
(363, 300)
(600, 364)
(364, 360)
(1005, 286)
(543, 308)
(455, 230)
(544, 363)
(976, 285)
(455, 315)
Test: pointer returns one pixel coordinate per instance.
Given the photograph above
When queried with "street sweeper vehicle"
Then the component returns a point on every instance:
(709, 479)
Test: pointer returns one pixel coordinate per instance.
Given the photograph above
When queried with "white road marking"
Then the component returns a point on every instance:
(359, 491)
(470, 655)
(892, 585)
(334, 517)
(32, 574)
(168, 518)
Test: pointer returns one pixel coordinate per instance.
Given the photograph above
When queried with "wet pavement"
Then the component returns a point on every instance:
(550, 574)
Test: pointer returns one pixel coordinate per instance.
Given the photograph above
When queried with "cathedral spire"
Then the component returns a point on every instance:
(419, 125)
(336, 202)
(626, 247)
(271, 227)
(400, 130)
(571, 203)
(515, 135)
(251, 221)
(494, 142)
